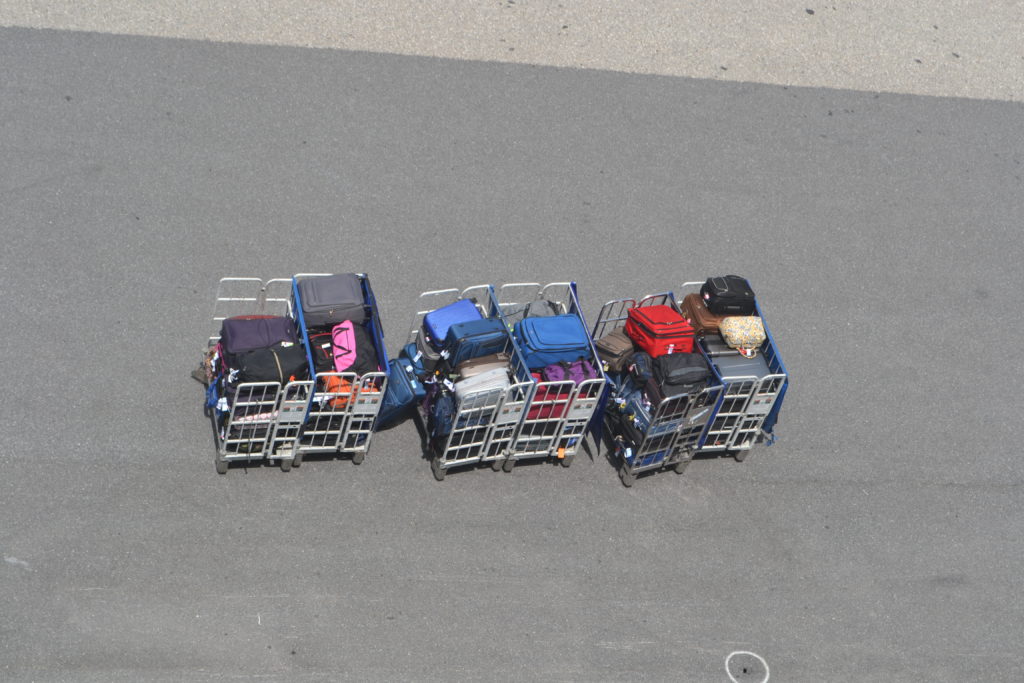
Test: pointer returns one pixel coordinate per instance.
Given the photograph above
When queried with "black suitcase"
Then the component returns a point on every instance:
(331, 299)
(728, 295)
(675, 374)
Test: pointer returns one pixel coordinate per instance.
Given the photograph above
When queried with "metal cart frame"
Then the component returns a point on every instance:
(484, 423)
(750, 405)
(265, 418)
(572, 405)
(675, 428)
(341, 422)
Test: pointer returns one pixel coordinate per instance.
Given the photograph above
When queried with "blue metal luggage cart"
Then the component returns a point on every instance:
(342, 405)
(483, 424)
(753, 395)
(652, 437)
(559, 413)
(261, 420)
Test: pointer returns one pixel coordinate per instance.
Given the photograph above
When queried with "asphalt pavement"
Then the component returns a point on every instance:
(878, 540)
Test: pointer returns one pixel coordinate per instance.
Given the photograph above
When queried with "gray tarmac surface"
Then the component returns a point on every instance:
(879, 540)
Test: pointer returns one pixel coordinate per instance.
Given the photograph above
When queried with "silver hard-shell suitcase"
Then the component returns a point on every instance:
(485, 381)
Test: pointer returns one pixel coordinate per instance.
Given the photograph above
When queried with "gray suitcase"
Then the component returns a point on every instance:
(737, 365)
(730, 362)
(485, 381)
(331, 299)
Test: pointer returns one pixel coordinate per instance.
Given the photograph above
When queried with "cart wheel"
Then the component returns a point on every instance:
(681, 466)
(740, 455)
(435, 467)
(297, 460)
(221, 465)
(567, 460)
(357, 458)
(627, 477)
(508, 464)
(496, 464)
(286, 464)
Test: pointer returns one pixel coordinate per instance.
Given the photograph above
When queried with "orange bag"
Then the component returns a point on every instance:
(338, 385)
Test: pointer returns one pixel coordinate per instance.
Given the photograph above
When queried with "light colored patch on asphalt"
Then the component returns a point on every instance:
(946, 48)
(18, 563)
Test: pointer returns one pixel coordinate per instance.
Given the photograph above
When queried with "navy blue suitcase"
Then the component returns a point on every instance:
(403, 391)
(411, 354)
(437, 322)
(556, 339)
(475, 339)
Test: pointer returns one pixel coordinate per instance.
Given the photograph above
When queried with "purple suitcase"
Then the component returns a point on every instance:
(248, 333)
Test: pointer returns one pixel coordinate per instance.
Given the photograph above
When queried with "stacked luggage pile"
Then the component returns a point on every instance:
(307, 380)
(256, 361)
(548, 325)
(491, 375)
(495, 381)
(732, 332)
(463, 376)
(344, 338)
(662, 388)
(675, 369)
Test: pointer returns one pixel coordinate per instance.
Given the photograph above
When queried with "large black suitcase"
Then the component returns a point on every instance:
(680, 369)
(675, 374)
(331, 299)
(728, 295)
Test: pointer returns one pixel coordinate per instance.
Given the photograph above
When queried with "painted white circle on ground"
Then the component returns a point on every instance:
(749, 667)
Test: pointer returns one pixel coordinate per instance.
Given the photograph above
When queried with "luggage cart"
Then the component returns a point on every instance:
(263, 420)
(343, 405)
(753, 393)
(484, 423)
(663, 436)
(559, 414)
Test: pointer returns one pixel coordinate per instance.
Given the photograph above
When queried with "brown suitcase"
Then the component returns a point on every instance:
(703, 320)
(615, 349)
(476, 366)
(696, 312)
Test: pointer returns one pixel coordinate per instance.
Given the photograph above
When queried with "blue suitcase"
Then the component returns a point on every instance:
(404, 390)
(475, 339)
(410, 354)
(437, 322)
(557, 339)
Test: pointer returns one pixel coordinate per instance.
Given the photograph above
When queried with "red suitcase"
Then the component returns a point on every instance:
(659, 330)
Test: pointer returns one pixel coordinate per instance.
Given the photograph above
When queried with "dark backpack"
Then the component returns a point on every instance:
(442, 414)
(322, 351)
(641, 367)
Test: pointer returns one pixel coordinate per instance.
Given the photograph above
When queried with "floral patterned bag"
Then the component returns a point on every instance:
(745, 333)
